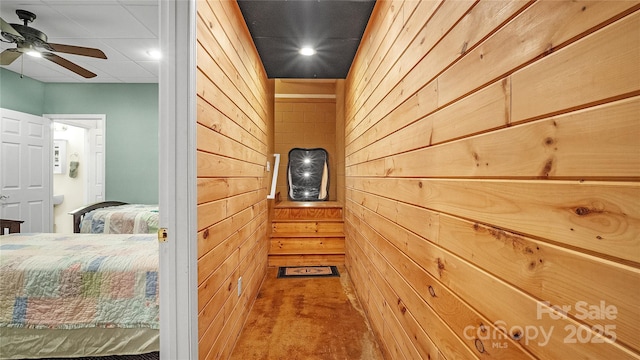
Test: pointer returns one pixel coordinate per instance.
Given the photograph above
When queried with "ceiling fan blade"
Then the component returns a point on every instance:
(9, 31)
(77, 50)
(68, 65)
(8, 56)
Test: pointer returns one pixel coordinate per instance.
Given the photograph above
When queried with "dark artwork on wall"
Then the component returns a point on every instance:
(308, 174)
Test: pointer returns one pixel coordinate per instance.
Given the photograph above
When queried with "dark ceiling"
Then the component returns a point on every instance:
(332, 27)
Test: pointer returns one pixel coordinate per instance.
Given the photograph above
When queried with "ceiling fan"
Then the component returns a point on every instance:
(30, 41)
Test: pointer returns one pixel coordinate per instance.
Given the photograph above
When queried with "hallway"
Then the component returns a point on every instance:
(306, 318)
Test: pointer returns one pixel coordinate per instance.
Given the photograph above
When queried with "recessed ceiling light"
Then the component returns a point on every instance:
(154, 54)
(307, 51)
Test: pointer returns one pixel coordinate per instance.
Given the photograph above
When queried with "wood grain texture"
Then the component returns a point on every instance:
(546, 271)
(286, 226)
(307, 233)
(485, 110)
(308, 213)
(538, 31)
(314, 245)
(447, 37)
(570, 78)
(595, 143)
(234, 137)
(492, 177)
(340, 149)
(210, 189)
(601, 217)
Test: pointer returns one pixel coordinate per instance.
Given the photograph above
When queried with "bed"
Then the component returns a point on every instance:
(115, 217)
(71, 295)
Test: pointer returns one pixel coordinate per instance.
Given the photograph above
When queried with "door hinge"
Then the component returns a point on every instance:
(162, 235)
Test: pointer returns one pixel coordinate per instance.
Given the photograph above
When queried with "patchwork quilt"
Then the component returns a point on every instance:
(123, 219)
(73, 281)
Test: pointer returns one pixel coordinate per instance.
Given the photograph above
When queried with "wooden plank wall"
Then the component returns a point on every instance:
(340, 170)
(234, 140)
(492, 173)
(304, 119)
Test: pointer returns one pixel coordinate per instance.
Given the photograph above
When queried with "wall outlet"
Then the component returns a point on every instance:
(239, 286)
(268, 166)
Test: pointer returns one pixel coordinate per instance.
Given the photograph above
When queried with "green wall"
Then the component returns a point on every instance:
(132, 126)
(21, 94)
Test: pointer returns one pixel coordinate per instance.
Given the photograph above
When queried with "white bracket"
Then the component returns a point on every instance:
(274, 179)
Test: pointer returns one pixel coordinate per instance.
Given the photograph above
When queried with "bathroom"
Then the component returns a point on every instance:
(78, 167)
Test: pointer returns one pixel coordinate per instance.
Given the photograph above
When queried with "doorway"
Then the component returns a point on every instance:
(79, 176)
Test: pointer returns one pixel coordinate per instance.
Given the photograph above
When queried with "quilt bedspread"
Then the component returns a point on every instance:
(72, 281)
(123, 219)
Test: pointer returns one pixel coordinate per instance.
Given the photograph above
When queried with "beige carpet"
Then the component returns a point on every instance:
(306, 318)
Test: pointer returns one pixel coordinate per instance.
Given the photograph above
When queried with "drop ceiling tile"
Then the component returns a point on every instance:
(132, 49)
(153, 67)
(106, 21)
(141, 80)
(46, 17)
(124, 30)
(122, 69)
(148, 15)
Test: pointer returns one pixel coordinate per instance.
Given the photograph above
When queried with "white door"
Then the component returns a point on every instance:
(26, 166)
(95, 180)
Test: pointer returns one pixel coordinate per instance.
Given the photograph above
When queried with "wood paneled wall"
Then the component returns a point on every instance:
(493, 178)
(234, 140)
(305, 120)
(340, 170)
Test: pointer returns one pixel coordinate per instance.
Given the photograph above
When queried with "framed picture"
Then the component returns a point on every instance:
(59, 156)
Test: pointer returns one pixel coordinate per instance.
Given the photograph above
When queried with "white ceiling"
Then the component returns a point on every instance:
(125, 30)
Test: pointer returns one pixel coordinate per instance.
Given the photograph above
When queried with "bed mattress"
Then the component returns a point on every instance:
(73, 287)
(122, 219)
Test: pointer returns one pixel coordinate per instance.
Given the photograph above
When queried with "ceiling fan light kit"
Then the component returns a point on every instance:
(29, 40)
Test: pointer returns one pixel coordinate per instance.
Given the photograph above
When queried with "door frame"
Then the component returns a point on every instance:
(77, 120)
(177, 181)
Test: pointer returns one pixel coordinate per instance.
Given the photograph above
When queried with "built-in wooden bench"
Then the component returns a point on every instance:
(307, 233)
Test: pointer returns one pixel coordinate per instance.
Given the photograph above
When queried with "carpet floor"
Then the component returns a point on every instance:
(306, 318)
